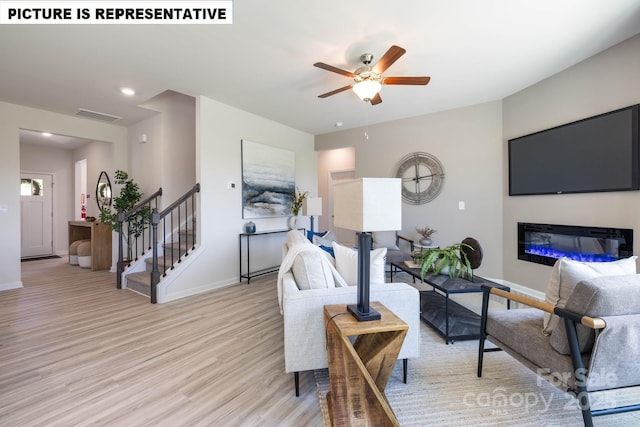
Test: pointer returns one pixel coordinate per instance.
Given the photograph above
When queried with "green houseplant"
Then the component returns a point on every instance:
(129, 196)
(298, 199)
(449, 259)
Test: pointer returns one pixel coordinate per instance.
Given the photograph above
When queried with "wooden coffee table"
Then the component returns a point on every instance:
(450, 319)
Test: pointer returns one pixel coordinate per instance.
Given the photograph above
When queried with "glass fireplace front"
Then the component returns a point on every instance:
(545, 243)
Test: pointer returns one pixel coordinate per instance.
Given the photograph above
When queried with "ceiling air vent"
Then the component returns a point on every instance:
(103, 117)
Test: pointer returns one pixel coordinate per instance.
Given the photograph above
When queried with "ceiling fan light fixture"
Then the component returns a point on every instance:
(367, 89)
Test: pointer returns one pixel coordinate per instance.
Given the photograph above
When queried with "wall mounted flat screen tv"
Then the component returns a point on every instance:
(600, 153)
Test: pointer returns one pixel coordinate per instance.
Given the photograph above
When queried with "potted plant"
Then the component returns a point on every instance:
(426, 234)
(449, 260)
(296, 206)
(129, 196)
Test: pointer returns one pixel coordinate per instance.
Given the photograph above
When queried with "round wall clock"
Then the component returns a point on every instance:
(422, 177)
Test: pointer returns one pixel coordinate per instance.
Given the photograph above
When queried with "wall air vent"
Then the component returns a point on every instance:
(103, 117)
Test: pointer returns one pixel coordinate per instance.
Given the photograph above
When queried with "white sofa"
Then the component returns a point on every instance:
(304, 329)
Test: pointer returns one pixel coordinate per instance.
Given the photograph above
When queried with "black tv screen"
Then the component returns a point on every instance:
(599, 153)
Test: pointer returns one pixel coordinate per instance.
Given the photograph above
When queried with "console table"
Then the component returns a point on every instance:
(359, 372)
(100, 236)
(247, 237)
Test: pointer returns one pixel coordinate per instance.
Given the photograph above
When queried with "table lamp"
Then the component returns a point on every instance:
(365, 205)
(312, 206)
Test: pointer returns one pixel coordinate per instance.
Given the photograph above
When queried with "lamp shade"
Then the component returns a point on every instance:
(368, 204)
(312, 206)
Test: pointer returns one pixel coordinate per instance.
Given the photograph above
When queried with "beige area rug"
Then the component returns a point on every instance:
(443, 390)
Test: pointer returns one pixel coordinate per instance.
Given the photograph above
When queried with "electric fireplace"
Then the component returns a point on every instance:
(545, 243)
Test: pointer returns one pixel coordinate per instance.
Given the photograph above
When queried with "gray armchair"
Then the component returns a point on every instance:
(599, 333)
(398, 248)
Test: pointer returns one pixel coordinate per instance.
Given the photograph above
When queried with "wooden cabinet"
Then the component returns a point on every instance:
(359, 372)
(100, 236)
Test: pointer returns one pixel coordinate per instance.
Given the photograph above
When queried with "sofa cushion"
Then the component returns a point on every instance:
(599, 297)
(310, 272)
(567, 273)
(385, 239)
(347, 264)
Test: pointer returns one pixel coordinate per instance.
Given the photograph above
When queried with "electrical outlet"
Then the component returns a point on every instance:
(461, 205)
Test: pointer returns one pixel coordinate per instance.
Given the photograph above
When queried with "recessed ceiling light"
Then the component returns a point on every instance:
(338, 124)
(127, 91)
(46, 134)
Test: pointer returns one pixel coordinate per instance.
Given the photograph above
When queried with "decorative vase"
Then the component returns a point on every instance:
(426, 241)
(250, 227)
(291, 222)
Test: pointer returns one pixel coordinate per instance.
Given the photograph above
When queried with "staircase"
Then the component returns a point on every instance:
(157, 257)
(170, 258)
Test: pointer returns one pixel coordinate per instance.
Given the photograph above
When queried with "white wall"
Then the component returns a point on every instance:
(467, 143)
(99, 157)
(602, 83)
(12, 119)
(220, 129)
(146, 159)
(168, 158)
(336, 160)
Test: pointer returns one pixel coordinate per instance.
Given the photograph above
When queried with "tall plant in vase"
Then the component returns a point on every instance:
(129, 196)
(296, 206)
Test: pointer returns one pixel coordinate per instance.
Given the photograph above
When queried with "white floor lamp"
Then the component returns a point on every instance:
(365, 205)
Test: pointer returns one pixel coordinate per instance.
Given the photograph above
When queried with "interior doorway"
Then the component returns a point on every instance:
(343, 235)
(36, 210)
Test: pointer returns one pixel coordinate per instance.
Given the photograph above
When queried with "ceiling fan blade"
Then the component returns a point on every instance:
(406, 80)
(390, 56)
(376, 99)
(333, 69)
(333, 92)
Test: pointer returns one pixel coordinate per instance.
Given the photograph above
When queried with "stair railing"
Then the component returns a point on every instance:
(177, 220)
(135, 231)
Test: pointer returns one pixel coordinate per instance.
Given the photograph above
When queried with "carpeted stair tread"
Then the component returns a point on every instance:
(139, 282)
(162, 263)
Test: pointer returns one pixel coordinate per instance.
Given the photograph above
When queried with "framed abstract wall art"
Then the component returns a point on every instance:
(268, 180)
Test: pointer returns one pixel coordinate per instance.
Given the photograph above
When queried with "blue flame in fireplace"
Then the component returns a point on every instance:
(577, 256)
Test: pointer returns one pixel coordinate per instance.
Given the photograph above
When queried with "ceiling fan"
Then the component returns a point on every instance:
(368, 80)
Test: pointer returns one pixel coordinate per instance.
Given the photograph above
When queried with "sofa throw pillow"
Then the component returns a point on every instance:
(385, 239)
(347, 264)
(567, 273)
(309, 271)
(325, 240)
(312, 234)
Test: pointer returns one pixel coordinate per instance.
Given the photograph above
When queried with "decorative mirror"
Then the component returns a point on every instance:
(103, 191)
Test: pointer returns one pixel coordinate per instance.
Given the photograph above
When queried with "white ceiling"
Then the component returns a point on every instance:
(475, 51)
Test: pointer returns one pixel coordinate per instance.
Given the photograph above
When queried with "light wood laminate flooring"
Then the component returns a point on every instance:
(75, 351)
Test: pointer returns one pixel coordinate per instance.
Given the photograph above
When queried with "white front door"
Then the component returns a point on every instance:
(344, 236)
(36, 203)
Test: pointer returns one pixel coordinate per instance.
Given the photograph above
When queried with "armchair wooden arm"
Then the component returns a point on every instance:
(399, 237)
(590, 322)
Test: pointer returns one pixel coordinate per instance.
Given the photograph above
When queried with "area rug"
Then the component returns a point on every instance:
(444, 390)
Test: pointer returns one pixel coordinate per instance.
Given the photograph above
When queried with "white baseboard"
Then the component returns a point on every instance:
(521, 290)
(8, 286)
